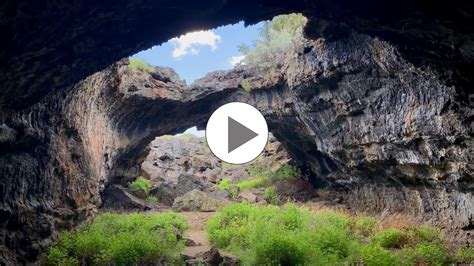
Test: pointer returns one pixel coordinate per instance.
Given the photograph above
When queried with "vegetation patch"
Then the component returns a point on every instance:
(121, 239)
(364, 225)
(141, 184)
(246, 85)
(136, 64)
(271, 196)
(290, 235)
(280, 34)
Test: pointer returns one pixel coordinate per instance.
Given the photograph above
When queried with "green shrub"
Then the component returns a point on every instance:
(271, 196)
(427, 254)
(277, 36)
(374, 255)
(136, 64)
(286, 172)
(152, 199)
(121, 239)
(270, 235)
(363, 225)
(226, 184)
(464, 255)
(246, 85)
(389, 238)
(424, 234)
(141, 184)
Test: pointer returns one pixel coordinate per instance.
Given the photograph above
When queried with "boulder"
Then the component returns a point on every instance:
(118, 197)
(246, 195)
(198, 201)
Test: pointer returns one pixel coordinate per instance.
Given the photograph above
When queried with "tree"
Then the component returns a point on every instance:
(276, 36)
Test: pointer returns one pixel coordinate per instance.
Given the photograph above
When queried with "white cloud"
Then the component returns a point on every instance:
(234, 60)
(190, 42)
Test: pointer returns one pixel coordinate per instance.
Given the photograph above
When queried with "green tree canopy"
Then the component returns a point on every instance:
(277, 35)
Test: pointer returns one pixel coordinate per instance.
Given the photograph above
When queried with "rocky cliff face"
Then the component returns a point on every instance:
(384, 135)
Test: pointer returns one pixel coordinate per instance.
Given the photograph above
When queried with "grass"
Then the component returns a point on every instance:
(141, 184)
(136, 64)
(465, 255)
(389, 238)
(152, 199)
(271, 196)
(291, 235)
(268, 235)
(286, 172)
(364, 225)
(121, 239)
(260, 177)
(253, 183)
(226, 184)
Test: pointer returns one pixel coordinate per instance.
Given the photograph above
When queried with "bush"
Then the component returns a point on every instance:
(152, 199)
(271, 196)
(363, 225)
(465, 255)
(389, 238)
(271, 235)
(377, 256)
(286, 172)
(427, 254)
(121, 239)
(136, 64)
(226, 184)
(141, 184)
(424, 234)
(277, 35)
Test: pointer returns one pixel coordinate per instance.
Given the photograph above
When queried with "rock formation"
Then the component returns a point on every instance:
(388, 126)
(178, 165)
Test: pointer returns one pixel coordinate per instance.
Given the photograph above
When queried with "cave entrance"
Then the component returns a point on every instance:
(175, 165)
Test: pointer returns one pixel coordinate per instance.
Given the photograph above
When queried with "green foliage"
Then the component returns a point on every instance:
(246, 85)
(277, 35)
(424, 234)
(271, 196)
(289, 235)
(374, 255)
(253, 183)
(141, 184)
(121, 239)
(226, 184)
(427, 254)
(465, 255)
(269, 235)
(286, 172)
(363, 225)
(136, 64)
(389, 238)
(152, 199)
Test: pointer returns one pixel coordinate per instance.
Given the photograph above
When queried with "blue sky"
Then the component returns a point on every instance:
(195, 54)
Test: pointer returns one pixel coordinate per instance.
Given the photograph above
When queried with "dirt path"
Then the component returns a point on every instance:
(197, 231)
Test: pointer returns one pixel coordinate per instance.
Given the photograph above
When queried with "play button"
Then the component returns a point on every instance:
(236, 133)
